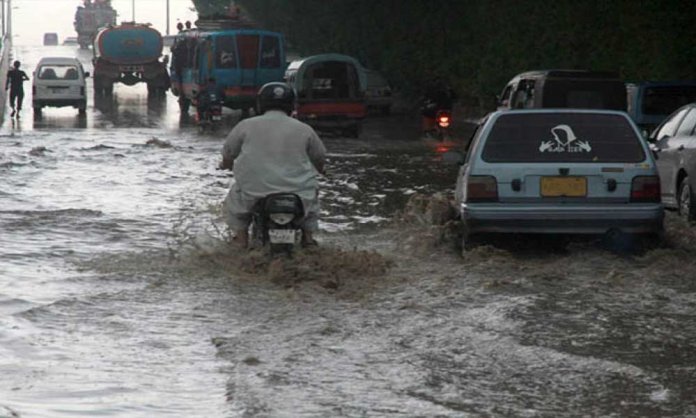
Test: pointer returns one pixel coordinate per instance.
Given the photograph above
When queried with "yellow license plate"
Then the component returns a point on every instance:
(563, 186)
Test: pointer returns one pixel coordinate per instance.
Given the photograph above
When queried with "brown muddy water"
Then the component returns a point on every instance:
(121, 297)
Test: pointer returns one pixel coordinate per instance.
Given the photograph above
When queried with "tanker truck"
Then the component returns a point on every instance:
(90, 18)
(130, 54)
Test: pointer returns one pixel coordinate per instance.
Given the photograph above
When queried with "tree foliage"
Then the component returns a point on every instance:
(480, 44)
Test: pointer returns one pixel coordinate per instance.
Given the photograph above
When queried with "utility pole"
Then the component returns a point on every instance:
(133, 10)
(2, 16)
(9, 19)
(167, 17)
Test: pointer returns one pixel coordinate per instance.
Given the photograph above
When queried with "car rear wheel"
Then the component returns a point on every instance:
(687, 206)
(467, 242)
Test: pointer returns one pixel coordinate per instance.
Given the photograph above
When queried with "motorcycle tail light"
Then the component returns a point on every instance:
(646, 189)
(443, 121)
(281, 218)
(481, 189)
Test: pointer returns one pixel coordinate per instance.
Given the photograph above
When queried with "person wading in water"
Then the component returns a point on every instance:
(15, 82)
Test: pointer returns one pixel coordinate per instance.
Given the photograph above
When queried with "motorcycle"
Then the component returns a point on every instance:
(277, 222)
(210, 112)
(443, 120)
(436, 121)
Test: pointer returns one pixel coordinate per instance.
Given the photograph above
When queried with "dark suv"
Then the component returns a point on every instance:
(580, 89)
(650, 102)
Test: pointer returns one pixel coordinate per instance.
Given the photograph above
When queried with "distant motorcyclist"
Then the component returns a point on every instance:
(438, 95)
(15, 83)
(207, 95)
(272, 153)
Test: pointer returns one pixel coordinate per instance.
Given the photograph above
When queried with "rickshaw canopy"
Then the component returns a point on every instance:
(318, 72)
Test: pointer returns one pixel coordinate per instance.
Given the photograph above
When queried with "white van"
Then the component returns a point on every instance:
(58, 82)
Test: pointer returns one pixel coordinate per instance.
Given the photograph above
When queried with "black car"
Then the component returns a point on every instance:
(674, 143)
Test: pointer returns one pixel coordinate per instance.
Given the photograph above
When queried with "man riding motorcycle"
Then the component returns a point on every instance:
(272, 153)
(210, 95)
(438, 96)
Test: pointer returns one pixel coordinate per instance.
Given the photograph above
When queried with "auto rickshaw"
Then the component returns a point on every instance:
(330, 92)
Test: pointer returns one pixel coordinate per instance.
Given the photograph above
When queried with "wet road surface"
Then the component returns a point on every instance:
(120, 296)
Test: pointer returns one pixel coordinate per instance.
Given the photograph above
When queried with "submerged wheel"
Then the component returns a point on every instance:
(354, 131)
(281, 249)
(467, 242)
(184, 104)
(685, 201)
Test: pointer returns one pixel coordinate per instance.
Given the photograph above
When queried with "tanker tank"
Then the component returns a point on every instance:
(130, 54)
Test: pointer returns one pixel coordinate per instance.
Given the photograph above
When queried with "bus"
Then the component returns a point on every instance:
(241, 60)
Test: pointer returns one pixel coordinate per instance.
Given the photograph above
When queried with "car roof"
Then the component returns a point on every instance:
(558, 111)
(569, 73)
(662, 83)
(58, 60)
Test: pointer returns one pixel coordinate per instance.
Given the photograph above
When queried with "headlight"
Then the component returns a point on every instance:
(282, 218)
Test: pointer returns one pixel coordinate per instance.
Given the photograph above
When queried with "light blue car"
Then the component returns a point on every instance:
(559, 171)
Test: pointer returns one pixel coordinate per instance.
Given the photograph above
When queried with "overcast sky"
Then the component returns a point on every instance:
(32, 18)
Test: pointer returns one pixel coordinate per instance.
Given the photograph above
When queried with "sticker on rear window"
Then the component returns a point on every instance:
(564, 140)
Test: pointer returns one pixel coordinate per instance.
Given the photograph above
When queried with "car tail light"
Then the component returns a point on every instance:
(481, 189)
(82, 91)
(645, 189)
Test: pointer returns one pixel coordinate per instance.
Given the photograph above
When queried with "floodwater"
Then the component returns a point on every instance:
(120, 297)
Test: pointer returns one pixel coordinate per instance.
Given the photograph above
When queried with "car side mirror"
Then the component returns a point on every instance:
(655, 151)
(453, 157)
(86, 74)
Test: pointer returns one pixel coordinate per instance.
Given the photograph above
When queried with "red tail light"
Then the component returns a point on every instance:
(481, 189)
(646, 189)
(443, 119)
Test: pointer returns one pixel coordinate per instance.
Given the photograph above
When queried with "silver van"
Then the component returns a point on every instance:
(58, 82)
(559, 171)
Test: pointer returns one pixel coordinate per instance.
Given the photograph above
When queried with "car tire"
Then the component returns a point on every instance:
(619, 242)
(82, 108)
(686, 206)
(467, 242)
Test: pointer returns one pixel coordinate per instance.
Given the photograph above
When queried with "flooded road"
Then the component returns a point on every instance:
(120, 297)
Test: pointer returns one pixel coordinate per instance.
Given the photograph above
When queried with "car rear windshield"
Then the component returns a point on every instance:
(584, 94)
(664, 100)
(58, 72)
(563, 137)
